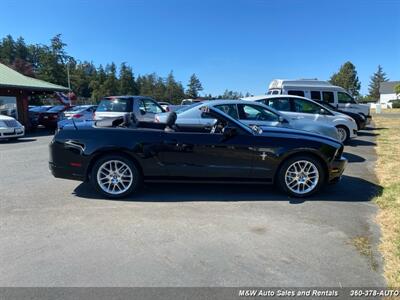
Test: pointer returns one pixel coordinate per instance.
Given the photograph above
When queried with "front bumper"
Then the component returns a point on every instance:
(7, 132)
(336, 169)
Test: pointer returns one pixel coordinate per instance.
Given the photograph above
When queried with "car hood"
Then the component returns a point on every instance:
(267, 130)
(5, 118)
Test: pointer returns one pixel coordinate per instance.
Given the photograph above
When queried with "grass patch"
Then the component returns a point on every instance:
(363, 246)
(388, 172)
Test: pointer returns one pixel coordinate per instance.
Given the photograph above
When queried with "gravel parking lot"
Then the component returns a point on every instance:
(60, 233)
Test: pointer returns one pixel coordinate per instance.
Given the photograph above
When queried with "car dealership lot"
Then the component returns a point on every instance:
(60, 233)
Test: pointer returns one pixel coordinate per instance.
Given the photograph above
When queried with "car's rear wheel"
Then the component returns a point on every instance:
(301, 176)
(115, 176)
(344, 133)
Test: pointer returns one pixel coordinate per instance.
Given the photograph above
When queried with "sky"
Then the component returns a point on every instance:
(239, 45)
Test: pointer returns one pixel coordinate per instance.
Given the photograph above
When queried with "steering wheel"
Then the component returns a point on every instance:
(259, 117)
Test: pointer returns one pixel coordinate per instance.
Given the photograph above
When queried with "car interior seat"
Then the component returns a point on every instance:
(170, 122)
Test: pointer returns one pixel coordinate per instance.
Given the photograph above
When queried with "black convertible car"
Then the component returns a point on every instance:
(117, 156)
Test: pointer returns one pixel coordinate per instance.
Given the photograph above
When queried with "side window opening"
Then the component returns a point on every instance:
(296, 93)
(280, 104)
(149, 106)
(328, 97)
(316, 95)
(229, 109)
(256, 113)
(307, 107)
(345, 98)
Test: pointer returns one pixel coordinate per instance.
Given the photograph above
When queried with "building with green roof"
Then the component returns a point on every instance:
(16, 90)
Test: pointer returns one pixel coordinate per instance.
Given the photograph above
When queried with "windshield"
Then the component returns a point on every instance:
(114, 105)
(57, 108)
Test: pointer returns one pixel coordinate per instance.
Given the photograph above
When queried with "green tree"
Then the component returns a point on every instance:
(397, 89)
(194, 87)
(174, 91)
(127, 84)
(347, 78)
(375, 83)
(110, 85)
(7, 50)
(97, 84)
(52, 62)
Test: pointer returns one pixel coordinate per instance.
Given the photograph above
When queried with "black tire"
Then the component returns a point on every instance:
(281, 176)
(136, 176)
(346, 131)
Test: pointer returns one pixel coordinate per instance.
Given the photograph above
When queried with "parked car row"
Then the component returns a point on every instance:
(123, 148)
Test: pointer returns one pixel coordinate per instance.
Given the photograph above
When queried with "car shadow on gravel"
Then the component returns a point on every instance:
(356, 143)
(353, 158)
(349, 189)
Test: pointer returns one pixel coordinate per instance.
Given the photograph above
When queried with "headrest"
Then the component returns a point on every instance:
(171, 119)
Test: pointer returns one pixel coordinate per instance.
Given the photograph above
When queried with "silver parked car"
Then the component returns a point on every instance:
(250, 113)
(143, 108)
(80, 112)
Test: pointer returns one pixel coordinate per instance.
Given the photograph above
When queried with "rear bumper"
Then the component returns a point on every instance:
(65, 173)
(336, 169)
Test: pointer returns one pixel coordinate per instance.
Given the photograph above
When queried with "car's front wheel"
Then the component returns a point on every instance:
(115, 176)
(301, 176)
(344, 133)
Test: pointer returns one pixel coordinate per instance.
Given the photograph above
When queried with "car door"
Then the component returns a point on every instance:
(346, 102)
(205, 155)
(308, 110)
(148, 108)
(282, 104)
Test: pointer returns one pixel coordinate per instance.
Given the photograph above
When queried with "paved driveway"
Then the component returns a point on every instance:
(59, 233)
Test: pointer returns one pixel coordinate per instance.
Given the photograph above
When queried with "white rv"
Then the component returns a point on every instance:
(320, 91)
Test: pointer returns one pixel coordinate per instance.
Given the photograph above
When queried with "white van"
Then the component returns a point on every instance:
(321, 91)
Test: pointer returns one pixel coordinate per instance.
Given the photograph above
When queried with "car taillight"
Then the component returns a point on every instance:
(77, 116)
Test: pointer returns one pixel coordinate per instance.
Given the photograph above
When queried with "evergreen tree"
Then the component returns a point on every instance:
(110, 85)
(127, 84)
(97, 84)
(7, 50)
(194, 87)
(375, 83)
(174, 92)
(347, 78)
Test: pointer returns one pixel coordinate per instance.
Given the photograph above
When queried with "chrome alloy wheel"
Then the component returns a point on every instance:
(301, 177)
(342, 134)
(114, 177)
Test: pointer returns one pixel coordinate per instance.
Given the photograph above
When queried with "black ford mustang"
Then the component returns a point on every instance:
(117, 156)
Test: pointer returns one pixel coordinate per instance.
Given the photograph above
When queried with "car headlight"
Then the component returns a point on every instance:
(2, 124)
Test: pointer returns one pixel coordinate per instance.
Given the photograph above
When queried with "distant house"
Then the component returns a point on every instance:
(387, 92)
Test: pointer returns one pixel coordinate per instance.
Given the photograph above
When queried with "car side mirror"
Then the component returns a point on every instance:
(229, 132)
(142, 112)
(322, 111)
